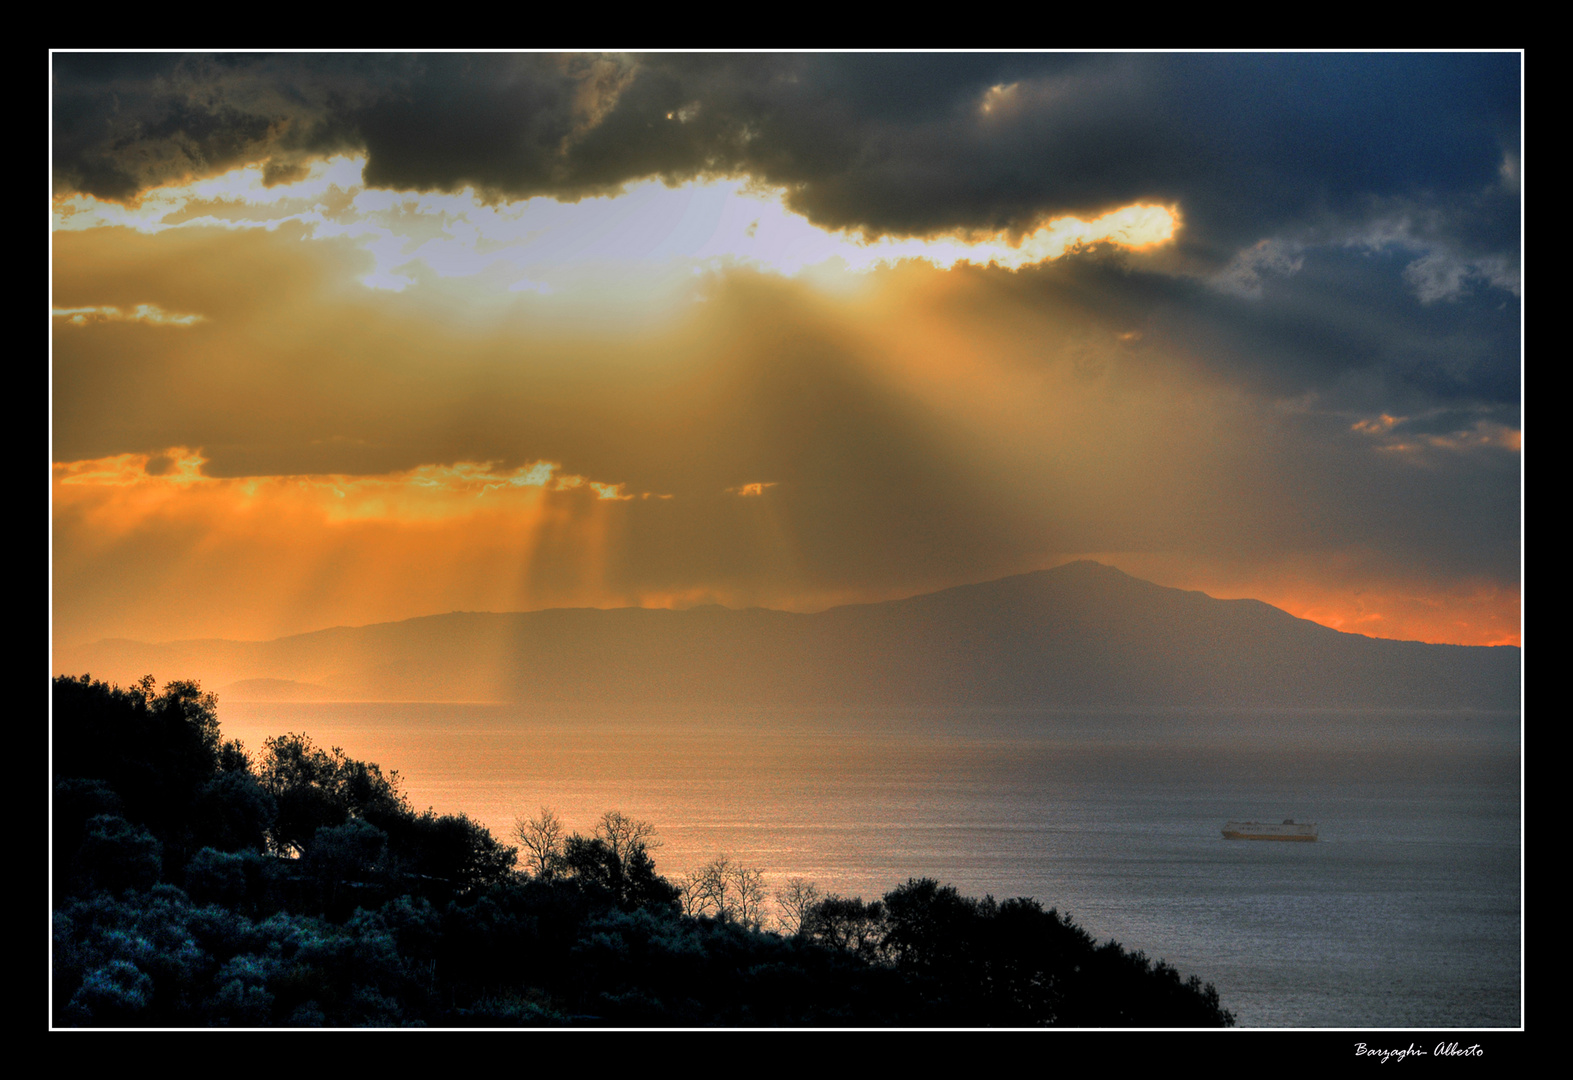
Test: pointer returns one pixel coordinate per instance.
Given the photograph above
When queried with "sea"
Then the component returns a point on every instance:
(1407, 912)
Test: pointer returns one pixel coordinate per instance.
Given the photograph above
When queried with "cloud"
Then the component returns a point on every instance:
(546, 357)
(124, 123)
(1420, 439)
(1453, 255)
(1243, 276)
(1437, 276)
(754, 489)
(1509, 172)
(931, 427)
(1376, 425)
(891, 144)
(1328, 302)
(1359, 590)
(1274, 165)
(651, 225)
(1442, 275)
(151, 314)
(1449, 244)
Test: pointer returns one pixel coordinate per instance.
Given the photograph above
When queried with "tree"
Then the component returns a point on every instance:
(156, 751)
(76, 802)
(849, 925)
(453, 849)
(232, 813)
(542, 840)
(317, 789)
(703, 891)
(119, 993)
(749, 886)
(929, 926)
(796, 902)
(617, 859)
(625, 835)
(725, 890)
(117, 855)
(344, 856)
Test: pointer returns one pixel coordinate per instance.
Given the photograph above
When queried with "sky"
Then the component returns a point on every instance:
(347, 338)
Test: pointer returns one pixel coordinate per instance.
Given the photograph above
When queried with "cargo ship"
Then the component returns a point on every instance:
(1258, 830)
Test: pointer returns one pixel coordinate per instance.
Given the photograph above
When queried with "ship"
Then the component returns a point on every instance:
(1259, 830)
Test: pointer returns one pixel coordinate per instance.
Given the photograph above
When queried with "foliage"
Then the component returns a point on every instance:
(982, 962)
(117, 855)
(629, 880)
(154, 750)
(542, 838)
(117, 993)
(725, 890)
(232, 812)
(849, 925)
(795, 903)
(76, 802)
(314, 896)
(316, 788)
(451, 849)
(615, 862)
(344, 858)
(241, 881)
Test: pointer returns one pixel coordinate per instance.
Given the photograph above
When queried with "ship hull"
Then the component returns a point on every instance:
(1254, 830)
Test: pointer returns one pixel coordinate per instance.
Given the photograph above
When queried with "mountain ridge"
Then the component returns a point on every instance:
(1079, 634)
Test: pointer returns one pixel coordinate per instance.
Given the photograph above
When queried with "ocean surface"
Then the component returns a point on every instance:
(1406, 913)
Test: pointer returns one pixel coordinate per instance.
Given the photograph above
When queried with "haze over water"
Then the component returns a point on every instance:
(402, 376)
(1406, 912)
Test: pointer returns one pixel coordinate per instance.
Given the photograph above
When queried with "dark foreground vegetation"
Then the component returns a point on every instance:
(195, 886)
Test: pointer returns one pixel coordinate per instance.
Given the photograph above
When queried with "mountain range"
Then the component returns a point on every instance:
(1079, 635)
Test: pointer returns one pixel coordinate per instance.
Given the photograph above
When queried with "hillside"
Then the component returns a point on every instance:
(1082, 634)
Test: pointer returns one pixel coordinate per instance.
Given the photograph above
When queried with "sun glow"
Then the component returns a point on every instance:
(151, 314)
(427, 491)
(1348, 591)
(543, 246)
(1135, 227)
(319, 549)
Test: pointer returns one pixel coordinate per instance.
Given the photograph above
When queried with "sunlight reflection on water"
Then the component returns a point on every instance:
(1406, 912)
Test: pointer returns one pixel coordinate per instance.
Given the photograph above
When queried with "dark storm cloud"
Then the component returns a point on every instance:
(1345, 327)
(895, 143)
(1351, 221)
(123, 123)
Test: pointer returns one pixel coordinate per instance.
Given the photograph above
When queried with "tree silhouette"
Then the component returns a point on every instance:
(849, 925)
(155, 750)
(542, 840)
(624, 835)
(450, 849)
(317, 789)
(796, 902)
(725, 890)
(617, 859)
(117, 855)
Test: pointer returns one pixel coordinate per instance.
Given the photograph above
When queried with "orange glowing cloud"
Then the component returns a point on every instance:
(1352, 591)
(751, 489)
(1137, 227)
(151, 314)
(1422, 447)
(468, 444)
(1375, 425)
(425, 492)
(284, 553)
